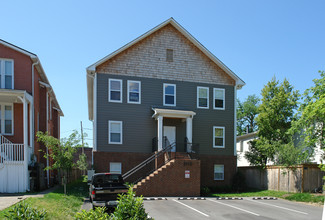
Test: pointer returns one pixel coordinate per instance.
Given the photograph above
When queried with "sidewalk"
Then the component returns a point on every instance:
(7, 200)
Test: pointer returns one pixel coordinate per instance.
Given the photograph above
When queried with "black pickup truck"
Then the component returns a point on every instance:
(104, 189)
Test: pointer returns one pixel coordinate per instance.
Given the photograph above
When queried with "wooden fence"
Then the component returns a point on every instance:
(301, 178)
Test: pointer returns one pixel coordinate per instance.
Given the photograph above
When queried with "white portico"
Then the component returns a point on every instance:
(160, 114)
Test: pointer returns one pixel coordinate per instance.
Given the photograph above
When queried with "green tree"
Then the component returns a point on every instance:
(276, 114)
(247, 112)
(61, 152)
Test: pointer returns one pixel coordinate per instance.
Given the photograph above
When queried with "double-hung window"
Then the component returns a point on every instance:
(219, 172)
(218, 137)
(115, 90)
(6, 119)
(115, 168)
(169, 94)
(134, 92)
(115, 132)
(202, 97)
(6, 74)
(219, 98)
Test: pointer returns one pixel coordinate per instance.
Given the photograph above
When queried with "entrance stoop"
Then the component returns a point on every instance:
(179, 177)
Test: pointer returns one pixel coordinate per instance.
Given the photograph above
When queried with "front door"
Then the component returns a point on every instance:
(170, 133)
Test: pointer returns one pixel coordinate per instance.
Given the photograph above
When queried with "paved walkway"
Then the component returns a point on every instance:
(7, 200)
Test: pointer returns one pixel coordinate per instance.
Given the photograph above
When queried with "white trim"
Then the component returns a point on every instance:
(128, 98)
(224, 99)
(197, 97)
(109, 90)
(235, 121)
(169, 84)
(3, 75)
(2, 118)
(240, 82)
(223, 137)
(117, 171)
(95, 112)
(172, 113)
(223, 171)
(109, 132)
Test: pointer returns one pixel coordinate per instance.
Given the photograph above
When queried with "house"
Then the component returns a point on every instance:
(243, 146)
(164, 87)
(27, 104)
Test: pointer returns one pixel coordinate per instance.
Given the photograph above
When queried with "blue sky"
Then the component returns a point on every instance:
(255, 39)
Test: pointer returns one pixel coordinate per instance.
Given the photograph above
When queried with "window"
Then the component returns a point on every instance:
(219, 99)
(218, 137)
(134, 92)
(169, 94)
(6, 119)
(202, 97)
(6, 74)
(115, 168)
(115, 90)
(115, 132)
(169, 55)
(219, 172)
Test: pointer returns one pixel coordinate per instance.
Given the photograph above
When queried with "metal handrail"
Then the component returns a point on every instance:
(148, 160)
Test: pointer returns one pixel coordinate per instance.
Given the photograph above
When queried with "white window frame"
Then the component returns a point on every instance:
(2, 124)
(109, 132)
(2, 73)
(198, 97)
(168, 84)
(214, 98)
(109, 90)
(223, 137)
(139, 83)
(214, 171)
(115, 163)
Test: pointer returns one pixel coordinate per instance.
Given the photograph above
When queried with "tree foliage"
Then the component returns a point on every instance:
(247, 112)
(276, 114)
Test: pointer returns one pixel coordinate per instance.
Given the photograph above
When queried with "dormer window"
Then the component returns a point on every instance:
(6, 74)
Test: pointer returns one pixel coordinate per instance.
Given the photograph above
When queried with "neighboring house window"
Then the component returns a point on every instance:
(219, 172)
(219, 99)
(115, 168)
(218, 137)
(134, 92)
(202, 97)
(6, 119)
(169, 94)
(115, 90)
(115, 132)
(6, 74)
(169, 55)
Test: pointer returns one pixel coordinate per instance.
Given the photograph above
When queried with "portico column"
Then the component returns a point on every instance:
(189, 130)
(25, 135)
(160, 132)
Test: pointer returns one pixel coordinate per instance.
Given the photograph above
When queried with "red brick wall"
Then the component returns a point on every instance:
(171, 180)
(207, 169)
(22, 68)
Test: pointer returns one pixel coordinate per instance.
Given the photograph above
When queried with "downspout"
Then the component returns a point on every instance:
(235, 123)
(33, 107)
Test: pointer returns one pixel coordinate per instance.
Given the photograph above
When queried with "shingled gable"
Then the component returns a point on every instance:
(108, 61)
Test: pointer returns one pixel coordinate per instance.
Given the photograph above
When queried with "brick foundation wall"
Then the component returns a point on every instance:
(207, 169)
(171, 180)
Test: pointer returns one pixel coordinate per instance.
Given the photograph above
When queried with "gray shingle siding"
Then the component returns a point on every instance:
(139, 128)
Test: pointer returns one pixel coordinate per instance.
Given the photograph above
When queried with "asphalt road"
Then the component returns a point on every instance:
(231, 209)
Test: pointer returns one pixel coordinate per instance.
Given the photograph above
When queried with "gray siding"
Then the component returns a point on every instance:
(139, 128)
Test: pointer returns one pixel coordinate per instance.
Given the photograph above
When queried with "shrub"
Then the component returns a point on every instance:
(130, 207)
(239, 182)
(23, 211)
(98, 213)
(205, 191)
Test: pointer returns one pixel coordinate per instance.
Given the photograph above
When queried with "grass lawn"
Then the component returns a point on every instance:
(301, 197)
(58, 205)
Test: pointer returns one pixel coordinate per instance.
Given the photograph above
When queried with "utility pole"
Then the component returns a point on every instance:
(82, 137)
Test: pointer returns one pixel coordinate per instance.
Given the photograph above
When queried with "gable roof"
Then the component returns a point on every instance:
(92, 68)
(39, 68)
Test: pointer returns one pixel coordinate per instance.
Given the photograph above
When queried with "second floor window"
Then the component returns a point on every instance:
(6, 122)
(6, 74)
(115, 132)
(202, 97)
(115, 90)
(134, 92)
(169, 94)
(219, 98)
